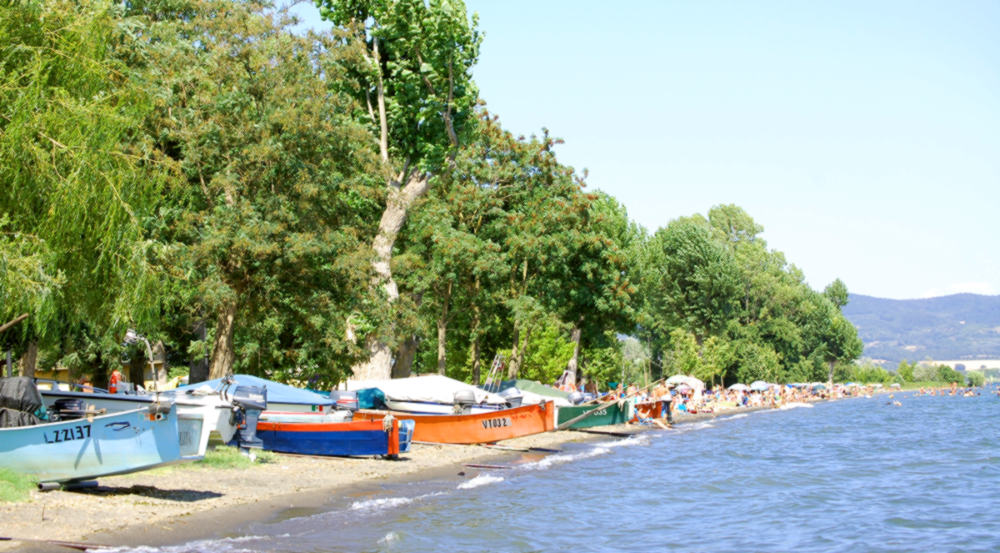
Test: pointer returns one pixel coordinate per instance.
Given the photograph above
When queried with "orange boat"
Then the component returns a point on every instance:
(648, 410)
(476, 428)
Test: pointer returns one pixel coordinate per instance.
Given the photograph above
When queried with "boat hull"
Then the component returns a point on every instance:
(435, 408)
(476, 428)
(648, 410)
(364, 437)
(90, 447)
(612, 414)
(197, 416)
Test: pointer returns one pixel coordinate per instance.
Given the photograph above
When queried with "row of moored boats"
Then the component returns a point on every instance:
(65, 434)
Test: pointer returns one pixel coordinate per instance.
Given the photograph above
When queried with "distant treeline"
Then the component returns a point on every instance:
(307, 206)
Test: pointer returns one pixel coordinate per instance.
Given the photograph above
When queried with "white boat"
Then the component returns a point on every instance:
(433, 395)
(200, 411)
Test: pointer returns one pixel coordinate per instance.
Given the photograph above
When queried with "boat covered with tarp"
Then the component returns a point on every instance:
(428, 395)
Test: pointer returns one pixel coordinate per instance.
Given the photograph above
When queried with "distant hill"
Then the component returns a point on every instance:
(962, 326)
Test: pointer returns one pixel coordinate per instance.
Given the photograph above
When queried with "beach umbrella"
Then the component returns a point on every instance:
(759, 386)
(818, 387)
(684, 388)
(677, 379)
(895, 385)
(740, 388)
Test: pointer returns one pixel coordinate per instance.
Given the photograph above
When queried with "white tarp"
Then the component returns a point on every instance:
(531, 398)
(432, 387)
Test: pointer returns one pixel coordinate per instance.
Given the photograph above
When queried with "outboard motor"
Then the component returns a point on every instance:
(513, 396)
(346, 400)
(68, 409)
(248, 402)
(464, 399)
(576, 398)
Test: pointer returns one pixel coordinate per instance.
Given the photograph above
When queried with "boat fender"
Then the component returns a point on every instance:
(387, 423)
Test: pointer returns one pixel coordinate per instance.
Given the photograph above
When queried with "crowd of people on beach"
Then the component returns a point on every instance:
(684, 398)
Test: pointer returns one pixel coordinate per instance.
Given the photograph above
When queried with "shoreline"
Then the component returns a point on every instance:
(183, 503)
(188, 502)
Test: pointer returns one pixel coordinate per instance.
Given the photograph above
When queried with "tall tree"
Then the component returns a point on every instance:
(416, 82)
(78, 180)
(273, 183)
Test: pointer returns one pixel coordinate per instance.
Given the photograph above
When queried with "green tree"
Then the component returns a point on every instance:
(273, 181)
(906, 371)
(78, 181)
(415, 80)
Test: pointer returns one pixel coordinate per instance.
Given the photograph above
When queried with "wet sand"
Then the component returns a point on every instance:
(184, 502)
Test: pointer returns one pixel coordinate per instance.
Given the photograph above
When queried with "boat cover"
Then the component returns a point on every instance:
(534, 393)
(20, 393)
(276, 391)
(432, 388)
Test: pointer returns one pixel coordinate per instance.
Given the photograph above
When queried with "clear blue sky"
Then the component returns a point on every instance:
(864, 136)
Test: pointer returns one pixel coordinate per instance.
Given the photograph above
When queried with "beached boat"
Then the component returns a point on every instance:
(82, 448)
(281, 398)
(615, 413)
(432, 395)
(362, 437)
(647, 410)
(200, 410)
(476, 428)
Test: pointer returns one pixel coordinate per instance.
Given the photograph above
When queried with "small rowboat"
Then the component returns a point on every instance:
(476, 428)
(363, 437)
(648, 410)
(85, 448)
(615, 413)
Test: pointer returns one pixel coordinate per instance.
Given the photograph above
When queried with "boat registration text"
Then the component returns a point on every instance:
(78, 432)
(496, 423)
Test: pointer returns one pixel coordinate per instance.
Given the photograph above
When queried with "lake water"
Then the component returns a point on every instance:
(852, 475)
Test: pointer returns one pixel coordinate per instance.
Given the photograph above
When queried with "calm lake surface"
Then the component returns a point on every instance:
(852, 475)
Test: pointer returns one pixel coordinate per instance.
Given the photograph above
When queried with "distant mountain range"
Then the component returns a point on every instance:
(962, 326)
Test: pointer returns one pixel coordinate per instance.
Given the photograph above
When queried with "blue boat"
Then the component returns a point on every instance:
(388, 439)
(84, 446)
(88, 447)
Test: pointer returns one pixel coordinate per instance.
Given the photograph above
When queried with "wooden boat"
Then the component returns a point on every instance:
(89, 447)
(361, 437)
(280, 397)
(616, 413)
(303, 417)
(648, 410)
(198, 413)
(476, 428)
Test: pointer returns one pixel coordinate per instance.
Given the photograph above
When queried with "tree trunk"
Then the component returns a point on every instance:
(404, 358)
(474, 346)
(199, 366)
(574, 362)
(29, 360)
(442, 328)
(399, 201)
(830, 378)
(514, 366)
(99, 376)
(137, 368)
(224, 351)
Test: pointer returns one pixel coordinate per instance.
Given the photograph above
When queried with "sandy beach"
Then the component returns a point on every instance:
(184, 502)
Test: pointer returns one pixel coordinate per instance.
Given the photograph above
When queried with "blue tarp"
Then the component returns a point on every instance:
(276, 391)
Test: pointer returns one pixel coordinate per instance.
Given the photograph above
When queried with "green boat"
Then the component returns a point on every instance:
(616, 413)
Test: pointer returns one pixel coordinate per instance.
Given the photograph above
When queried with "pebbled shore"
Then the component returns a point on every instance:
(183, 502)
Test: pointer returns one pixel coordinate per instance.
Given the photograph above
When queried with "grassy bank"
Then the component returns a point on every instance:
(15, 486)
